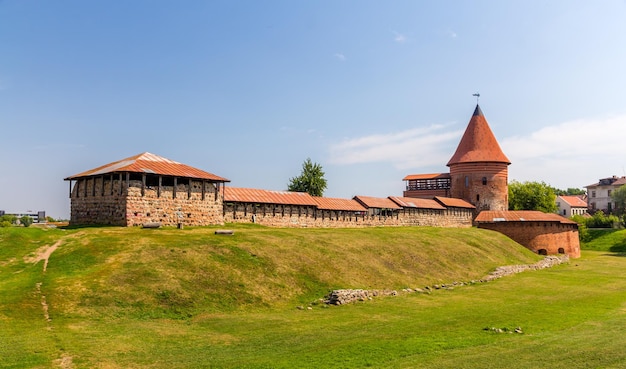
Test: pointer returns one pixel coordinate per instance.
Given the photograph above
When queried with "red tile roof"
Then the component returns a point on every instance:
(574, 201)
(411, 202)
(478, 143)
(377, 202)
(329, 203)
(426, 176)
(454, 203)
(253, 195)
(152, 164)
(492, 216)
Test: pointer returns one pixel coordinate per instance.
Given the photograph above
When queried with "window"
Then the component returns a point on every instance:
(593, 193)
(466, 181)
(484, 181)
(609, 193)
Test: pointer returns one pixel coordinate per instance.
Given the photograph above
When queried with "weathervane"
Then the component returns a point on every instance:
(477, 97)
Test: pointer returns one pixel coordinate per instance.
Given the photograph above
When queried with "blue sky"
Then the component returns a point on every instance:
(248, 90)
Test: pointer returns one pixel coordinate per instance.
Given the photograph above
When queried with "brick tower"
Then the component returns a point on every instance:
(479, 168)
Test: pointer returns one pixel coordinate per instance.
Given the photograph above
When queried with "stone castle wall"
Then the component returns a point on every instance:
(308, 216)
(108, 201)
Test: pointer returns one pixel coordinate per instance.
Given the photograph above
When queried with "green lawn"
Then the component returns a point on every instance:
(132, 298)
(613, 240)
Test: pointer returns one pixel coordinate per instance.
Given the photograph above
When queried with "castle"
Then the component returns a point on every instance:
(149, 189)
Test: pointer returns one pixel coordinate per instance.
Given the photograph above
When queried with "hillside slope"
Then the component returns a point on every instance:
(175, 273)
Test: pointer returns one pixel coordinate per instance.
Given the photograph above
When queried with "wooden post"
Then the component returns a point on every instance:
(111, 180)
(84, 187)
(143, 184)
(174, 190)
(121, 185)
(127, 182)
(160, 185)
(189, 189)
(203, 190)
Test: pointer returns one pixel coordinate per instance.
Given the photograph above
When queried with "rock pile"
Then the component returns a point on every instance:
(547, 262)
(342, 297)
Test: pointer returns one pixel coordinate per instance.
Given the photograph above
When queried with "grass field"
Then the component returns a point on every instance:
(166, 298)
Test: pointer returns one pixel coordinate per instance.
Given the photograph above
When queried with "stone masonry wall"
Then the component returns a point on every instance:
(102, 201)
(187, 208)
(307, 216)
(93, 203)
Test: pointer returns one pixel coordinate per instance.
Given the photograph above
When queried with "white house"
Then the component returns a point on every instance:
(600, 193)
(571, 205)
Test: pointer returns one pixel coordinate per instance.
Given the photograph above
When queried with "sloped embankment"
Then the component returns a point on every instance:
(180, 273)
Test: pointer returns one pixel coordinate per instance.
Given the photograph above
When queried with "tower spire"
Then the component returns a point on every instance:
(477, 97)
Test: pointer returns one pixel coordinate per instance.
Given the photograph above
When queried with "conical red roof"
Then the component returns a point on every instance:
(152, 164)
(478, 143)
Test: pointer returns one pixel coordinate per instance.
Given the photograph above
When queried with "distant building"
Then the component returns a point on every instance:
(568, 206)
(38, 217)
(599, 194)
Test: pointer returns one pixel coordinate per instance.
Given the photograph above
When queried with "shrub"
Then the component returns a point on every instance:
(8, 220)
(26, 221)
(583, 231)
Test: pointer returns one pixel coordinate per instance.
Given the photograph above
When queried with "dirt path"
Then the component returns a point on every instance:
(44, 253)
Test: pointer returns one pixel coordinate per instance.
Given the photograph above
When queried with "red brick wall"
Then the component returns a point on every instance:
(553, 237)
(490, 196)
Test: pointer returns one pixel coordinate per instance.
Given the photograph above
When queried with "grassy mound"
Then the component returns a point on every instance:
(613, 240)
(179, 273)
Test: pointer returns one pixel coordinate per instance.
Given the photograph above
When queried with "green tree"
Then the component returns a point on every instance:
(26, 221)
(7, 220)
(569, 192)
(311, 179)
(532, 196)
(619, 198)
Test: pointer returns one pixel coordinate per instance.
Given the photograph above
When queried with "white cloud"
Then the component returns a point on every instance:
(340, 57)
(451, 33)
(399, 38)
(413, 148)
(570, 154)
